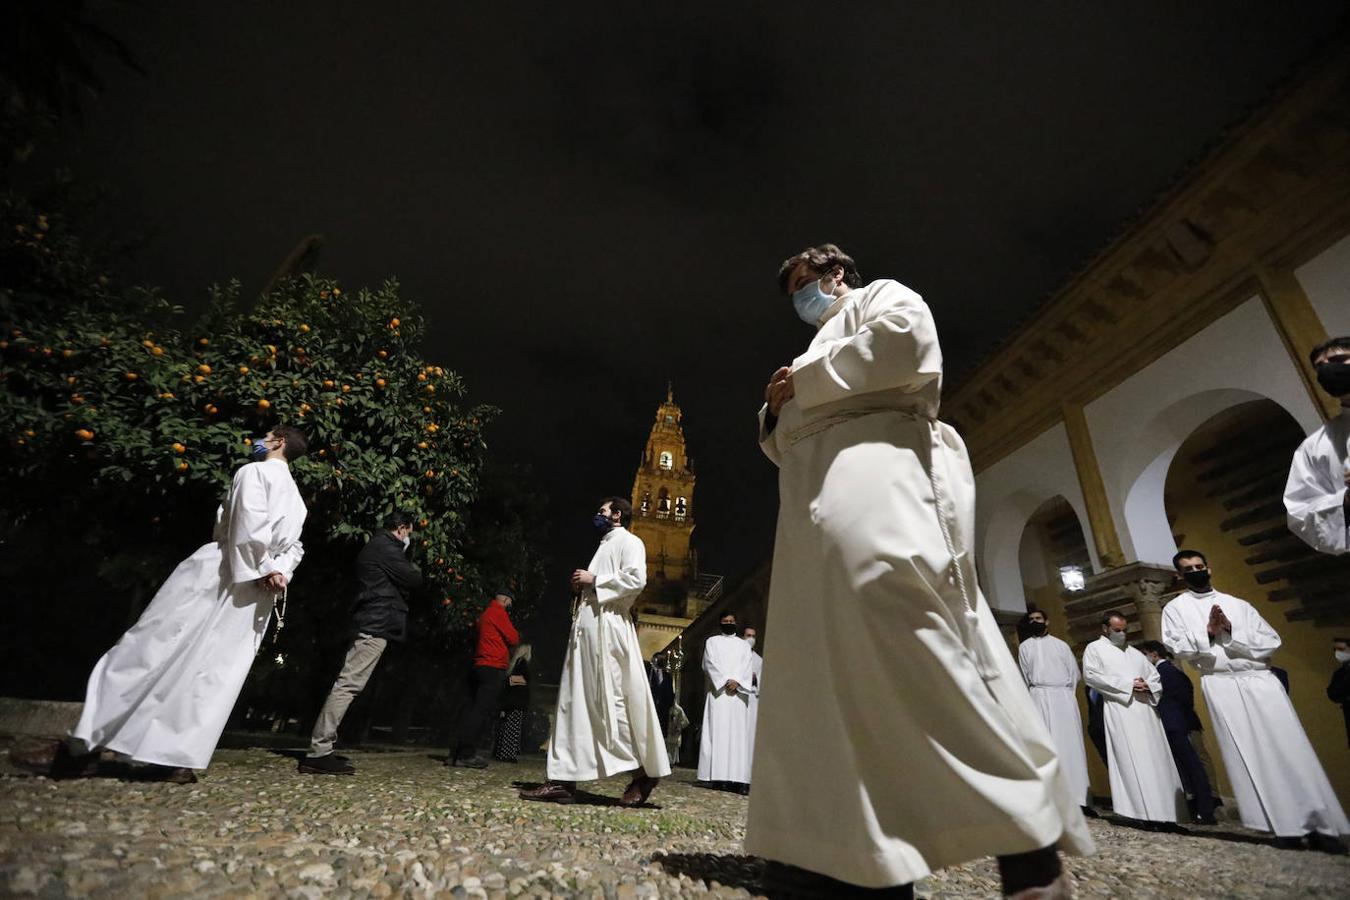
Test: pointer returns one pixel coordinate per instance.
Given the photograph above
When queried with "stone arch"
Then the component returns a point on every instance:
(1002, 557)
(1143, 469)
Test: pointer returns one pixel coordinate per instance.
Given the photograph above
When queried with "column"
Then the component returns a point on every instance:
(1100, 522)
(1299, 328)
(1147, 595)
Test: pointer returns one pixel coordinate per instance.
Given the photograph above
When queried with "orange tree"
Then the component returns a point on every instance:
(124, 423)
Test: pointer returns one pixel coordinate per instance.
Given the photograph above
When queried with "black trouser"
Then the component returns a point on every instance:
(1192, 772)
(473, 725)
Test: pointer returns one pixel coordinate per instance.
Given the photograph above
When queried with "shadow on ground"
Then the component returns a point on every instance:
(730, 870)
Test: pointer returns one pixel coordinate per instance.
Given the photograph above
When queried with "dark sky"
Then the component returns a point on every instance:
(589, 198)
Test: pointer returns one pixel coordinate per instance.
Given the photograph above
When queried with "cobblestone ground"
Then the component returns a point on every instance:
(406, 826)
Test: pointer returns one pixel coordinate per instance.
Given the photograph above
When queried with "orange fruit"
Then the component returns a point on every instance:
(211, 409)
(346, 389)
(382, 354)
(439, 561)
(264, 403)
(203, 341)
(422, 523)
(67, 354)
(304, 329)
(156, 351)
(379, 382)
(421, 445)
(421, 376)
(394, 323)
(204, 369)
(183, 466)
(243, 370)
(132, 376)
(77, 398)
(83, 434)
(426, 409)
(432, 428)
(328, 383)
(337, 292)
(147, 344)
(178, 447)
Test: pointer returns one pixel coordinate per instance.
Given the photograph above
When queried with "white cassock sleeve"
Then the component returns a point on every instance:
(1149, 673)
(1315, 507)
(629, 577)
(766, 441)
(1251, 638)
(250, 549)
(1184, 641)
(1114, 687)
(896, 347)
(1024, 660)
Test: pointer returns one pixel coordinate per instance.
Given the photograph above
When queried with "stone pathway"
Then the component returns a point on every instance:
(405, 826)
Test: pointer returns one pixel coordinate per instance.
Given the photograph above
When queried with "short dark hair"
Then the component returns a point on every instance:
(820, 259)
(297, 445)
(1034, 609)
(1334, 343)
(505, 592)
(623, 506)
(1157, 647)
(397, 519)
(1113, 614)
(1187, 554)
(725, 613)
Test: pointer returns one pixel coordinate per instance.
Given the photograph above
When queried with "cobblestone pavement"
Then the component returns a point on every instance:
(405, 825)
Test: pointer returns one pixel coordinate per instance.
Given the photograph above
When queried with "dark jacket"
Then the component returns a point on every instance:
(517, 696)
(1339, 692)
(384, 579)
(1176, 706)
(663, 693)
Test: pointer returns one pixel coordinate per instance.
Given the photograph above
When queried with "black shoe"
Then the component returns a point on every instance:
(1326, 843)
(788, 882)
(326, 765)
(473, 762)
(1090, 813)
(1288, 843)
(1206, 820)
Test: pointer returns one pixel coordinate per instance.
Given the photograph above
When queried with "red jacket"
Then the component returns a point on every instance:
(496, 635)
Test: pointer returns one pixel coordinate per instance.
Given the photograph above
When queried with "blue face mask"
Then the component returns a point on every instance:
(259, 450)
(811, 302)
(601, 523)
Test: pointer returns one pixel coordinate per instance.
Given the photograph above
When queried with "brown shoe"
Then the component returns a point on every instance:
(552, 792)
(639, 789)
(75, 765)
(169, 774)
(34, 755)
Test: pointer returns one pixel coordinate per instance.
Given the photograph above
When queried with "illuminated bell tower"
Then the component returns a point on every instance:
(663, 502)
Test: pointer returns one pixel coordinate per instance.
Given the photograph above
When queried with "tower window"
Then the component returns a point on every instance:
(646, 506)
(667, 460)
(681, 507)
(663, 504)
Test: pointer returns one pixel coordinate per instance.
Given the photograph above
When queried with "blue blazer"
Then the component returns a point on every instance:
(1176, 707)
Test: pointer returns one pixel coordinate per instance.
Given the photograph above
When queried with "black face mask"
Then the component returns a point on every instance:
(729, 628)
(1197, 580)
(1035, 629)
(1334, 377)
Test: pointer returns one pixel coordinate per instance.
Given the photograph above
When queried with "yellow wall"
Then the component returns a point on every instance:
(1306, 652)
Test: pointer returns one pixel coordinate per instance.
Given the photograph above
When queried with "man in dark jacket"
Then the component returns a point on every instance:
(384, 579)
(496, 637)
(1338, 691)
(1176, 708)
(663, 690)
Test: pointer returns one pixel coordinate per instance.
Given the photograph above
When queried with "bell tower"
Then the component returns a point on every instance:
(663, 516)
(663, 499)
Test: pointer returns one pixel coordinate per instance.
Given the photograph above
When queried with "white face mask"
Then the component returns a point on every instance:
(751, 641)
(1116, 637)
(1343, 656)
(407, 541)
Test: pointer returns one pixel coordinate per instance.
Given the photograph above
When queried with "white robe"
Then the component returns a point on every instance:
(724, 746)
(1051, 673)
(753, 712)
(1278, 782)
(920, 746)
(606, 720)
(1314, 495)
(162, 694)
(1145, 783)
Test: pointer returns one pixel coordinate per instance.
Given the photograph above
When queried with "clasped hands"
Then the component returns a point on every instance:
(581, 579)
(1218, 622)
(276, 581)
(1141, 686)
(779, 390)
(733, 686)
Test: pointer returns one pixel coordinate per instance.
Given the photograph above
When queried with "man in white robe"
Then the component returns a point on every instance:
(1315, 496)
(724, 745)
(606, 721)
(162, 694)
(751, 634)
(923, 748)
(1277, 780)
(1051, 673)
(1145, 784)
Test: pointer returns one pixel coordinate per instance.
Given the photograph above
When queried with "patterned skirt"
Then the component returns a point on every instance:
(506, 742)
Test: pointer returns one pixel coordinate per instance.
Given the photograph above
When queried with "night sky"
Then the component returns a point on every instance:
(591, 198)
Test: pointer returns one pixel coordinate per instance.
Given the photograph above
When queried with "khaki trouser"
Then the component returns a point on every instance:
(361, 659)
